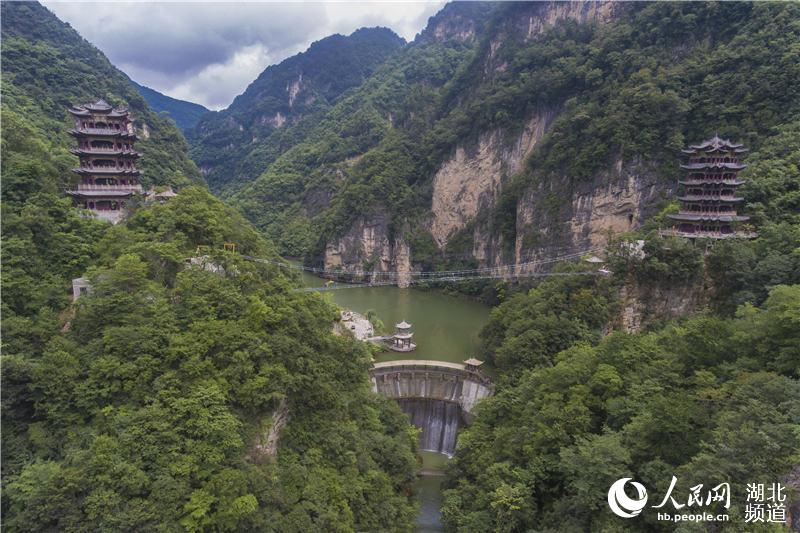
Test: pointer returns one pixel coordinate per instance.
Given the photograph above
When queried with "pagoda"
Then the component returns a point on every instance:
(709, 202)
(108, 174)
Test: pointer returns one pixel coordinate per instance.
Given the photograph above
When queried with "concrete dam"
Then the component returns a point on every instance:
(438, 396)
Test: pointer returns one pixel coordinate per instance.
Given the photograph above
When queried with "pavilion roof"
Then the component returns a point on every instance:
(473, 362)
(403, 325)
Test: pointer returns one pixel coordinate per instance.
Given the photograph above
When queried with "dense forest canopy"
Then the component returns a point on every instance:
(701, 399)
(142, 407)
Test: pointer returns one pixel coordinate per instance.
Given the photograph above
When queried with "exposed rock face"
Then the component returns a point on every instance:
(277, 120)
(293, 88)
(368, 246)
(471, 179)
(552, 12)
(266, 445)
(641, 306)
(563, 217)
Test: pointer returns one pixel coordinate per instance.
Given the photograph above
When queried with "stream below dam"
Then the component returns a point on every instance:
(445, 329)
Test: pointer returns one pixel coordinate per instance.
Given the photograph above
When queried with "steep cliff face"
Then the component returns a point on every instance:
(468, 183)
(470, 180)
(564, 217)
(368, 245)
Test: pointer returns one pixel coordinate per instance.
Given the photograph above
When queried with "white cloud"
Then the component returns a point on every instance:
(209, 52)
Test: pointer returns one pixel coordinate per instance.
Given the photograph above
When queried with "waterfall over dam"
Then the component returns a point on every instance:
(439, 421)
(437, 396)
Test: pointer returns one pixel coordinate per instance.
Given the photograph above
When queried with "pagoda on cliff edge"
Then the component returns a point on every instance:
(709, 203)
(108, 174)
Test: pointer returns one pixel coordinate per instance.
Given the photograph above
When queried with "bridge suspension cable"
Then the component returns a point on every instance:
(528, 269)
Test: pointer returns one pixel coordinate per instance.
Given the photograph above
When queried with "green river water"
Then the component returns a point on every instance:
(445, 328)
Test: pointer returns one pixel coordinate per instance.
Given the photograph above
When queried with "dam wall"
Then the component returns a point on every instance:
(437, 396)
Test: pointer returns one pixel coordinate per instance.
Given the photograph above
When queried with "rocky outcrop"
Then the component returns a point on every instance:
(293, 89)
(368, 246)
(548, 14)
(471, 179)
(561, 216)
(266, 445)
(641, 305)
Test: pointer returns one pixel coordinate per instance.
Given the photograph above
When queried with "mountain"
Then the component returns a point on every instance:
(185, 114)
(48, 67)
(155, 401)
(511, 131)
(235, 145)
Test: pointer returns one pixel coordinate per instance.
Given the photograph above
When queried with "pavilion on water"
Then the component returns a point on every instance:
(401, 340)
(108, 174)
(709, 202)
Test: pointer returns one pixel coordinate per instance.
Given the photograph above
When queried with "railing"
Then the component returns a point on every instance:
(106, 170)
(96, 150)
(102, 131)
(708, 234)
(99, 187)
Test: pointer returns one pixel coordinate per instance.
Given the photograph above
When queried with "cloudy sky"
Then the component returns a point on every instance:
(208, 52)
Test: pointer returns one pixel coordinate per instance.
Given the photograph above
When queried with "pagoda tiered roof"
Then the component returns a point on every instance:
(705, 181)
(715, 144)
(701, 217)
(709, 198)
(701, 166)
(107, 171)
(99, 107)
(110, 193)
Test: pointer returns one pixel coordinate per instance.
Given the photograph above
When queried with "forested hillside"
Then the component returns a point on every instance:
(511, 131)
(185, 114)
(146, 406)
(235, 145)
(702, 399)
(47, 67)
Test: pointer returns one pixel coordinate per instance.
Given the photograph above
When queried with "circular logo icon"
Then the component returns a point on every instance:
(621, 504)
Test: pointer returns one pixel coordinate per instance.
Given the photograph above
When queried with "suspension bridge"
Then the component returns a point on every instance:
(350, 279)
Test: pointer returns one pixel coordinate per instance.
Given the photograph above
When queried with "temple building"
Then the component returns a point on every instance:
(709, 205)
(401, 340)
(107, 171)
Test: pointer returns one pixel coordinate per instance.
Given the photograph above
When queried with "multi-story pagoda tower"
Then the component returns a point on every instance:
(108, 173)
(709, 203)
